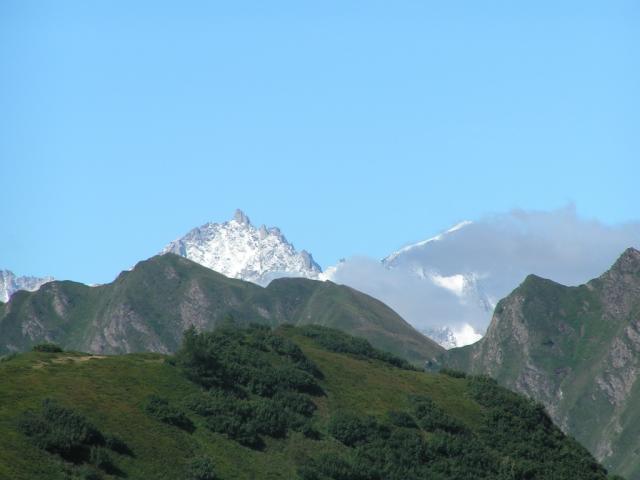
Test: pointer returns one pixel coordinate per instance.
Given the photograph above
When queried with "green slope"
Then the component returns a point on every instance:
(148, 308)
(576, 350)
(372, 420)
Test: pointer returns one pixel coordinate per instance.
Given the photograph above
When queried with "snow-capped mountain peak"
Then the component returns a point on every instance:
(390, 259)
(238, 249)
(11, 283)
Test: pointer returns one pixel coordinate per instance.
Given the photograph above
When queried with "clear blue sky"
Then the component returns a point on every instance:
(354, 126)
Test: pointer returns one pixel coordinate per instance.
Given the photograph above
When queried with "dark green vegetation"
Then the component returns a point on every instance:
(149, 307)
(340, 342)
(47, 347)
(576, 350)
(255, 403)
(69, 436)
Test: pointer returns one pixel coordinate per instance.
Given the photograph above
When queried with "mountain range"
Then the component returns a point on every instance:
(149, 308)
(238, 249)
(576, 350)
(445, 286)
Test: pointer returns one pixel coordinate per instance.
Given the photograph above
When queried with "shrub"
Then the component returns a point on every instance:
(340, 342)
(353, 430)
(47, 347)
(201, 468)
(430, 417)
(295, 402)
(117, 445)
(163, 411)
(270, 419)
(332, 466)
(241, 430)
(60, 430)
(198, 358)
(452, 373)
(100, 458)
(401, 419)
(87, 473)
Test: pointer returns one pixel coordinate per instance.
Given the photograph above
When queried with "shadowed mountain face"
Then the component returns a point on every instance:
(148, 308)
(577, 350)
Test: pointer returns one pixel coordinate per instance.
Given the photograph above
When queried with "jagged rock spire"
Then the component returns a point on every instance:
(241, 217)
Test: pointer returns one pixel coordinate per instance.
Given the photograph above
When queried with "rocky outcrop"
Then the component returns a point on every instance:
(576, 350)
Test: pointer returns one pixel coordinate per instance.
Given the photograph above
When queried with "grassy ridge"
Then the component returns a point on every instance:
(113, 392)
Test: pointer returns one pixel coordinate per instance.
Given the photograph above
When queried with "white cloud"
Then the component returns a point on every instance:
(466, 335)
(444, 282)
(454, 283)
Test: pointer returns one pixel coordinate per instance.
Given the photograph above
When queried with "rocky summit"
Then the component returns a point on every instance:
(238, 249)
(576, 350)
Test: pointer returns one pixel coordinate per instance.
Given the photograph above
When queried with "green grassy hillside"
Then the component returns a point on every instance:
(148, 308)
(308, 403)
(576, 350)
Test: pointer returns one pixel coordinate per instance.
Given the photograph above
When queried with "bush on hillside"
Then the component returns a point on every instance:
(333, 466)
(101, 458)
(430, 417)
(340, 342)
(401, 419)
(256, 382)
(295, 402)
(47, 347)
(61, 431)
(354, 430)
(117, 445)
(452, 373)
(161, 409)
(201, 468)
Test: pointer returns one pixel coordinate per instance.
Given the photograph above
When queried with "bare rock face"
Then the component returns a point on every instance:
(577, 351)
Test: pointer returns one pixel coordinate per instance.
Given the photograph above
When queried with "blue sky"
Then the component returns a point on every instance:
(354, 126)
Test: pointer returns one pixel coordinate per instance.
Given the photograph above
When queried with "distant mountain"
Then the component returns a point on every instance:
(577, 350)
(449, 303)
(448, 338)
(10, 283)
(465, 283)
(237, 249)
(148, 308)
